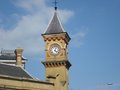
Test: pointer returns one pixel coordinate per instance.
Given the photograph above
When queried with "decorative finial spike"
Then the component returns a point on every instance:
(55, 4)
(55, 8)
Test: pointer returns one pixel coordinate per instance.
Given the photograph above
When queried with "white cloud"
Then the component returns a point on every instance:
(78, 38)
(65, 15)
(27, 32)
(31, 5)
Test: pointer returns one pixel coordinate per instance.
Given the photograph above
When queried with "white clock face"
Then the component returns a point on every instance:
(55, 49)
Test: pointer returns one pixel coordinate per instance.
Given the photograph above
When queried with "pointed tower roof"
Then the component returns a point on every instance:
(55, 26)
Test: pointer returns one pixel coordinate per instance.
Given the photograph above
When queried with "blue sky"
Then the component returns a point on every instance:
(94, 27)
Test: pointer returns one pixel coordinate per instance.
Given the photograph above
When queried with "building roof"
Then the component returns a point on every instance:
(8, 55)
(55, 25)
(13, 71)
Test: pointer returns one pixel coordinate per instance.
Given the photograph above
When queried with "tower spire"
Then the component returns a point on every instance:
(55, 2)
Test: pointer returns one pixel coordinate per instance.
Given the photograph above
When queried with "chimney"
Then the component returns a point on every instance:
(18, 53)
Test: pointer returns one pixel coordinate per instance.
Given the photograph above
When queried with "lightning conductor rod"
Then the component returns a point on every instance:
(55, 2)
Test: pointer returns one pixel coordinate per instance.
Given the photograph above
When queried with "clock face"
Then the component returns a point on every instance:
(54, 49)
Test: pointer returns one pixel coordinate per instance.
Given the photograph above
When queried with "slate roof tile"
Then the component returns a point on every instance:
(55, 25)
(13, 71)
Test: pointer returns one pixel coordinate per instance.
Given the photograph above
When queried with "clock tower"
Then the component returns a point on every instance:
(56, 61)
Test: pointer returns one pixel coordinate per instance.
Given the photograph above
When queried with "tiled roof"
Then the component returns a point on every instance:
(13, 71)
(55, 25)
(4, 57)
(9, 57)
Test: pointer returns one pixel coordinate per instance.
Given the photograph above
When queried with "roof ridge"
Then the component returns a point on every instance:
(60, 22)
(7, 64)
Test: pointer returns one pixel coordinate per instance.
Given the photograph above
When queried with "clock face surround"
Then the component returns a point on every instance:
(55, 49)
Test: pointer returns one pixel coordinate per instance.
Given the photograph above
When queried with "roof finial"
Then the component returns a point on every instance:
(55, 4)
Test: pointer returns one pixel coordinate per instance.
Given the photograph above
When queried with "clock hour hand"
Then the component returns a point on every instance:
(56, 49)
